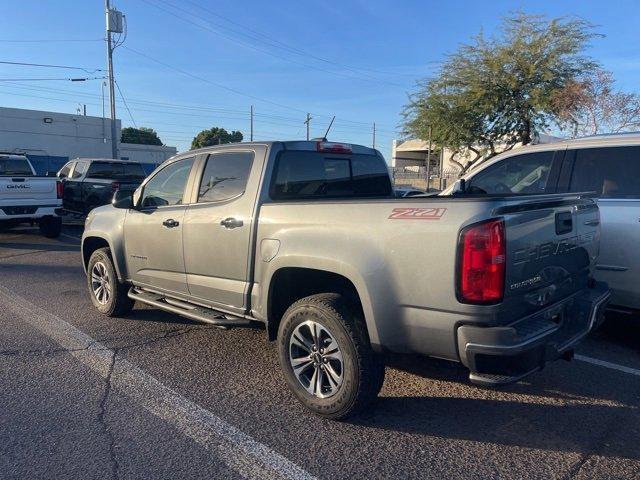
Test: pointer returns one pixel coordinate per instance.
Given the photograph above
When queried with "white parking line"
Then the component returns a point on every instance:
(237, 450)
(605, 364)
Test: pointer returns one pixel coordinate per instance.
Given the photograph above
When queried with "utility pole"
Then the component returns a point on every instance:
(252, 123)
(374, 135)
(112, 26)
(308, 122)
(429, 159)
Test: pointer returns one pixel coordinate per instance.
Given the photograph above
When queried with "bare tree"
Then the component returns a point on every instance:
(592, 106)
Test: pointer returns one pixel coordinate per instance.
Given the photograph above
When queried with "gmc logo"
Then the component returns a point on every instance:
(417, 213)
(22, 185)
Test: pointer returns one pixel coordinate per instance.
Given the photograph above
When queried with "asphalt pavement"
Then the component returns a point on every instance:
(156, 396)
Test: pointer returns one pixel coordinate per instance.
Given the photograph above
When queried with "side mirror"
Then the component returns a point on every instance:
(122, 199)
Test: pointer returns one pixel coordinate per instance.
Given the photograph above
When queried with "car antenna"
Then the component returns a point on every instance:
(329, 128)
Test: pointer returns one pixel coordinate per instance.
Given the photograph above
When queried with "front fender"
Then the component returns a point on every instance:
(107, 223)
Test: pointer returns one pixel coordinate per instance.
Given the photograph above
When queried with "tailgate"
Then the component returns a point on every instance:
(552, 243)
(27, 188)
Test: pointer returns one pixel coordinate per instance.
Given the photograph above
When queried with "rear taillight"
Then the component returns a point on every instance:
(115, 186)
(59, 189)
(482, 263)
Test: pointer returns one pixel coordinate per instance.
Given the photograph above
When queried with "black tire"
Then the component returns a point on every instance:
(362, 369)
(7, 224)
(50, 226)
(117, 302)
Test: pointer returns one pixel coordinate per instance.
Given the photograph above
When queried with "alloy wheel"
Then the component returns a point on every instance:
(316, 359)
(100, 283)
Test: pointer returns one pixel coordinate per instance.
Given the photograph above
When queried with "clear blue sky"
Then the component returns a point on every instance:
(356, 59)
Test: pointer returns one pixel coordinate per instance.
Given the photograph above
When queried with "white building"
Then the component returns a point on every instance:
(413, 153)
(50, 139)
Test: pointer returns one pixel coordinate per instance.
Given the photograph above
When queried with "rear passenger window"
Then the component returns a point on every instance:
(79, 170)
(225, 176)
(612, 172)
(302, 174)
(520, 174)
(64, 171)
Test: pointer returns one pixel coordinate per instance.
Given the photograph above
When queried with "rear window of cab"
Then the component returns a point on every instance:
(306, 175)
(108, 170)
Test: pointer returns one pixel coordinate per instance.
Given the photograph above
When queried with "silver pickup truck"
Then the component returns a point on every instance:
(306, 240)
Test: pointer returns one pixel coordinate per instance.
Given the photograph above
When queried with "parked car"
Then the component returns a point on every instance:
(606, 165)
(25, 197)
(307, 240)
(90, 182)
(402, 192)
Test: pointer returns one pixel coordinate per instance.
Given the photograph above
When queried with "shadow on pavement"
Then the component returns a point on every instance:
(564, 411)
(619, 329)
(149, 314)
(573, 428)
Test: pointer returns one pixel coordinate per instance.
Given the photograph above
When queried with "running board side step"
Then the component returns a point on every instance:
(493, 380)
(188, 310)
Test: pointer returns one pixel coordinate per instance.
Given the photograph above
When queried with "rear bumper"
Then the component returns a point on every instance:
(498, 355)
(12, 212)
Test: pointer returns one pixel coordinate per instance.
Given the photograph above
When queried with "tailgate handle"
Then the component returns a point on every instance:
(564, 223)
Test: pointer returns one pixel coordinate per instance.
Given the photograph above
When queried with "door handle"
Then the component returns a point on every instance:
(592, 223)
(231, 223)
(170, 223)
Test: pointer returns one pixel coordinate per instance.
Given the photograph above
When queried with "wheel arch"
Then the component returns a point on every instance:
(91, 243)
(288, 284)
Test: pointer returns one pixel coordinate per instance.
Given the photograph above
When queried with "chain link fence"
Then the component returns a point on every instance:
(416, 177)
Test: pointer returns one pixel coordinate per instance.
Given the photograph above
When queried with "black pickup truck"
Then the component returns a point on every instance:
(90, 183)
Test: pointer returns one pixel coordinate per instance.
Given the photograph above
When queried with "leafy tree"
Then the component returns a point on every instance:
(142, 135)
(215, 136)
(593, 106)
(495, 93)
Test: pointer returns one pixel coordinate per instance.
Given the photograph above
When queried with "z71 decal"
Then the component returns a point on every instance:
(417, 213)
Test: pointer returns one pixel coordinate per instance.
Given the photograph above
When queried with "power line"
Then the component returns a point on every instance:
(206, 80)
(52, 40)
(50, 79)
(51, 66)
(241, 115)
(290, 48)
(125, 104)
(229, 89)
(358, 75)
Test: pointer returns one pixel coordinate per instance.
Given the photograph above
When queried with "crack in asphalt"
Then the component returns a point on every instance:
(178, 332)
(594, 450)
(57, 351)
(115, 467)
(31, 252)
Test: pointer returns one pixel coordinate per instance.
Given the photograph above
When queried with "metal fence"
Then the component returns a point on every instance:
(416, 177)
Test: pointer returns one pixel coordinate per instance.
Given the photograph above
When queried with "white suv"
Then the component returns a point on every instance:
(608, 166)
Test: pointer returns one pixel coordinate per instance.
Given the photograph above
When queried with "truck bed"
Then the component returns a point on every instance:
(408, 248)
